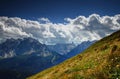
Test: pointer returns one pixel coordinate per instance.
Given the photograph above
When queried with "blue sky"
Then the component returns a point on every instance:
(57, 10)
(86, 20)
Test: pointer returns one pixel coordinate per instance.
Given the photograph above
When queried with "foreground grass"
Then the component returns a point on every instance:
(99, 61)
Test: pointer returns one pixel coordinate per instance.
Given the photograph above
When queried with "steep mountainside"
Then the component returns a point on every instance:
(26, 46)
(99, 61)
(62, 49)
(79, 48)
(24, 57)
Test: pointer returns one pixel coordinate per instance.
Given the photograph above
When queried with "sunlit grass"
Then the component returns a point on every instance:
(99, 61)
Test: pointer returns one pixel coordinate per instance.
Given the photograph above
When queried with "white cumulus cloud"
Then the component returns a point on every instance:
(44, 20)
(74, 30)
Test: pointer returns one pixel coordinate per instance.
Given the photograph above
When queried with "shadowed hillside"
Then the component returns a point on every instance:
(100, 61)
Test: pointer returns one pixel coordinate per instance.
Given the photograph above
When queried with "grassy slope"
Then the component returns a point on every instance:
(99, 61)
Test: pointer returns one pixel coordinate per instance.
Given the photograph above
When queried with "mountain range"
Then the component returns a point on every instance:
(62, 49)
(20, 58)
(23, 57)
(79, 48)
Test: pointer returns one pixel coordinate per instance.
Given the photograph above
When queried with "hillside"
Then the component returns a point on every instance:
(99, 61)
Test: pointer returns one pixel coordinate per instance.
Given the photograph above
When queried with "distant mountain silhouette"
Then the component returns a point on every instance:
(24, 57)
